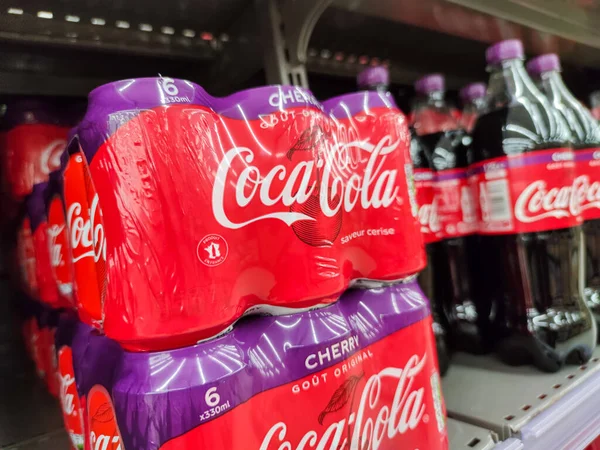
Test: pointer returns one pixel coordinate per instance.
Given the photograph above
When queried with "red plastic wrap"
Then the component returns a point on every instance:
(189, 211)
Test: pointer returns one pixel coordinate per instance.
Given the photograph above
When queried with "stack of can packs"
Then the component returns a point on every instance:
(243, 270)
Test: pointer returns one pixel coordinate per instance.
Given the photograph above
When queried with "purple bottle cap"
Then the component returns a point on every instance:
(372, 76)
(430, 83)
(543, 63)
(503, 50)
(472, 92)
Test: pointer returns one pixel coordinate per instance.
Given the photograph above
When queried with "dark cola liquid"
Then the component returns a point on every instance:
(585, 135)
(591, 230)
(456, 260)
(427, 276)
(532, 281)
(426, 280)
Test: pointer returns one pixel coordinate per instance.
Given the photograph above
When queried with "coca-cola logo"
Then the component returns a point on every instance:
(67, 399)
(588, 192)
(87, 231)
(428, 217)
(372, 423)
(105, 442)
(329, 180)
(537, 202)
(56, 252)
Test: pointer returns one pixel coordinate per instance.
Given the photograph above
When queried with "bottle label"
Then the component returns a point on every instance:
(383, 396)
(60, 257)
(27, 262)
(455, 204)
(528, 192)
(34, 152)
(47, 288)
(428, 208)
(69, 399)
(587, 183)
(102, 425)
(85, 237)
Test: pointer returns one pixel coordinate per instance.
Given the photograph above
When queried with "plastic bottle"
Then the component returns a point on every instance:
(595, 104)
(529, 227)
(585, 134)
(454, 259)
(473, 100)
(377, 79)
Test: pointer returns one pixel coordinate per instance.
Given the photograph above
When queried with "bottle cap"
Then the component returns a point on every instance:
(543, 63)
(430, 83)
(372, 76)
(503, 50)
(472, 92)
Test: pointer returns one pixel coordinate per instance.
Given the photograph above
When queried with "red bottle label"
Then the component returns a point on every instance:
(587, 184)
(102, 425)
(69, 398)
(32, 153)
(428, 208)
(86, 238)
(58, 247)
(27, 263)
(455, 204)
(527, 192)
(386, 397)
(48, 291)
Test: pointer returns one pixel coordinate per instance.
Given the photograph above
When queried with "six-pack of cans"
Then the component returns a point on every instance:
(191, 260)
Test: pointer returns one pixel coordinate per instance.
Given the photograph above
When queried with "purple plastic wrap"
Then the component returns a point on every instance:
(321, 376)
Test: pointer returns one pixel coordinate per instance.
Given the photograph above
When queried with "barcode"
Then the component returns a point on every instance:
(436, 390)
(499, 200)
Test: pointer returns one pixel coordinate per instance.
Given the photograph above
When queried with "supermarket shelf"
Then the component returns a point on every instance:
(543, 410)
(80, 44)
(566, 27)
(510, 444)
(147, 24)
(56, 440)
(464, 436)
(573, 423)
(361, 39)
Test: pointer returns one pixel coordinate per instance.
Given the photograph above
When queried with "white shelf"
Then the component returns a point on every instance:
(510, 444)
(464, 436)
(544, 411)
